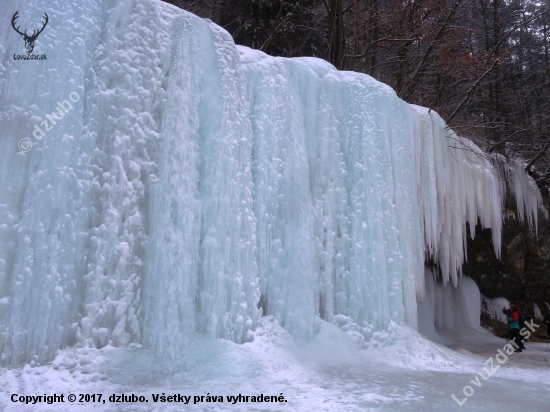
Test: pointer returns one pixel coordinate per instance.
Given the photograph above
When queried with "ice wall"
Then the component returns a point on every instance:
(449, 315)
(194, 186)
(338, 222)
(495, 306)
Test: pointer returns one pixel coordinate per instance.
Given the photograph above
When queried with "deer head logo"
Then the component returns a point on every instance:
(29, 40)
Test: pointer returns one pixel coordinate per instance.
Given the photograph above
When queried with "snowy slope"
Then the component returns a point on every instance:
(195, 185)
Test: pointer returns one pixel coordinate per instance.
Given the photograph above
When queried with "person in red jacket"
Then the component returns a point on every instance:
(508, 313)
(513, 323)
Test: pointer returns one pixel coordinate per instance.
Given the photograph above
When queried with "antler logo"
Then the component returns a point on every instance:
(29, 40)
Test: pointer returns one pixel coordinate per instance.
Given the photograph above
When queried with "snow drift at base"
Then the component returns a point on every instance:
(195, 186)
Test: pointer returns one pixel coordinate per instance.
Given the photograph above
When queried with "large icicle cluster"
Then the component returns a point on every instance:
(522, 186)
(195, 186)
(457, 184)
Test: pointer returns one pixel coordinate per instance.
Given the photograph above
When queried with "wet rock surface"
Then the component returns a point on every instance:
(523, 272)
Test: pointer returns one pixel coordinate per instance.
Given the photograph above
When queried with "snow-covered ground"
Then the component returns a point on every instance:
(397, 371)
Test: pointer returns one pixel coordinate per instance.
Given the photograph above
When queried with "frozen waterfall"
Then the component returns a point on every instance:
(195, 185)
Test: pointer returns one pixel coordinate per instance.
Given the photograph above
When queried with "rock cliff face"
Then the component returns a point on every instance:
(523, 272)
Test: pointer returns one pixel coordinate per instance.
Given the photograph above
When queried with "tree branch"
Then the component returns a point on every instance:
(372, 43)
(491, 147)
(471, 92)
(517, 26)
(267, 42)
(538, 156)
(439, 34)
